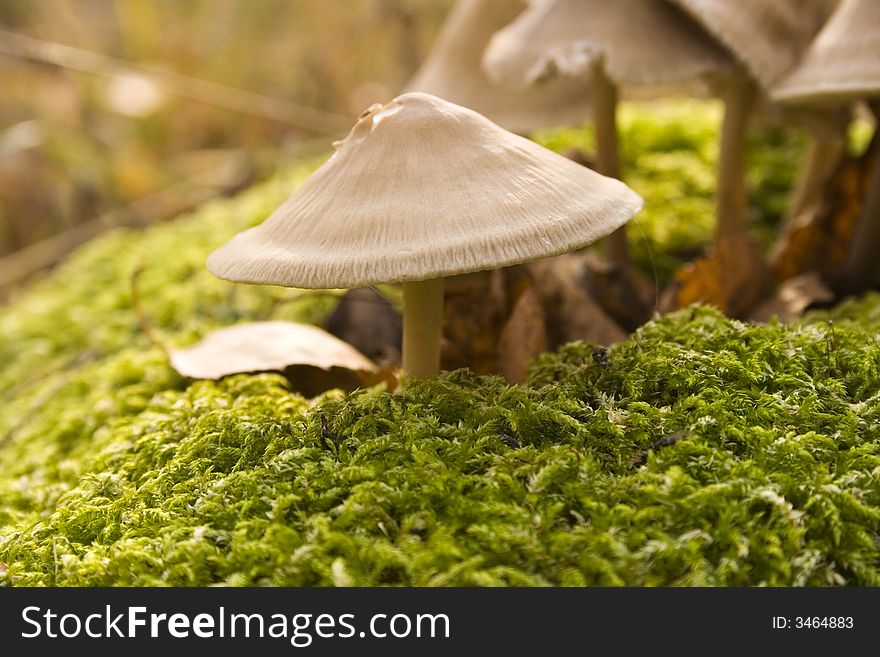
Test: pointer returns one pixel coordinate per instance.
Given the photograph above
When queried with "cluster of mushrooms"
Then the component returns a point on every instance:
(426, 186)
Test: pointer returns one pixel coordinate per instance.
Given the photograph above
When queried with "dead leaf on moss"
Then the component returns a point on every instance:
(367, 321)
(792, 298)
(572, 314)
(523, 338)
(624, 292)
(3, 569)
(494, 322)
(818, 239)
(733, 277)
(312, 359)
(474, 312)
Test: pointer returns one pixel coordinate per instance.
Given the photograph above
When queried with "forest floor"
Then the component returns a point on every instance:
(701, 450)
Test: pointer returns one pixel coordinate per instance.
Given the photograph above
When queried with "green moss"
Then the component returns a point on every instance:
(705, 451)
(73, 340)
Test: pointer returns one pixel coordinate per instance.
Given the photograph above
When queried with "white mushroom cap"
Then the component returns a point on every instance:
(452, 71)
(640, 42)
(767, 36)
(421, 189)
(843, 62)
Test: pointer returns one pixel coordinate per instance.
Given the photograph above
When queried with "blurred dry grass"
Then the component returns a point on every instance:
(76, 146)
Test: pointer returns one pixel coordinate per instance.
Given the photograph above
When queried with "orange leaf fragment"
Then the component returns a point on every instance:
(818, 239)
(733, 277)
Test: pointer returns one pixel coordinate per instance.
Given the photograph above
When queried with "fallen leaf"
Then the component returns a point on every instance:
(733, 277)
(516, 280)
(474, 313)
(624, 292)
(572, 314)
(818, 239)
(368, 322)
(312, 359)
(793, 297)
(523, 338)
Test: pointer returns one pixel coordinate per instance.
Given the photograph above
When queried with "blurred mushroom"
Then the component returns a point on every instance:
(767, 37)
(645, 43)
(841, 67)
(452, 71)
(419, 190)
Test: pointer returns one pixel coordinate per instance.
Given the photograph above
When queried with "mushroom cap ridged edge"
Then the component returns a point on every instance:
(537, 204)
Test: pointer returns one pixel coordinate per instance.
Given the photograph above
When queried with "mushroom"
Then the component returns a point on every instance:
(841, 67)
(626, 42)
(419, 190)
(767, 37)
(452, 71)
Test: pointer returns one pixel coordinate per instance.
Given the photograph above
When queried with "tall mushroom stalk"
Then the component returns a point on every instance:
(422, 327)
(823, 154)
(766, 37)
(607, 153)
(841, 67)
(732, 193)
(607, 45)
(422, 189)
(861, 264)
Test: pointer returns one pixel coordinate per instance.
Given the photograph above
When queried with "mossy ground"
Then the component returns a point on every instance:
(705, 451)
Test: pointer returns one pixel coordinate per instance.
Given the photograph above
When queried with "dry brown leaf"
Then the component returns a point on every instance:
(493, 322)
(572, 314)
(368, 322)
(818, 239)
(312, 359)
(624, 292)
(474, 312)
(733, 277)
(793, 297)
(524, 337)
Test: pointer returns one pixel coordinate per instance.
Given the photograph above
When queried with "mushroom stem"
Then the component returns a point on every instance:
(823, 155)
(732, 220)
(861, 263)
(422, 327)
(607, 155)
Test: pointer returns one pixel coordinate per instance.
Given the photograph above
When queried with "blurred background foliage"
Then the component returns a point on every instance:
(76, 145)
(160, 105)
